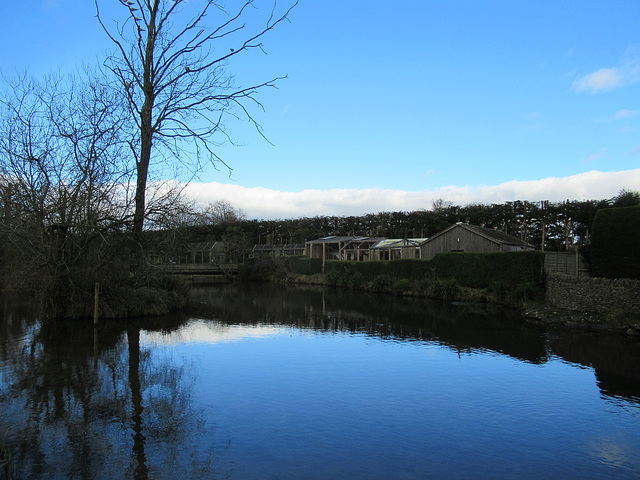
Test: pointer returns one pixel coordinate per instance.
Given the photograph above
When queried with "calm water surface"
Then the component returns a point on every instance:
(260, 382)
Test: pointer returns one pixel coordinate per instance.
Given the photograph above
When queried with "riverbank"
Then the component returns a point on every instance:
(584, 321)
(435, 289)
(590, 303)
(541, 309)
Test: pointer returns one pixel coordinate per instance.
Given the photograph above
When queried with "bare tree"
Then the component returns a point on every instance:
(220, 211)
(63, 175)
(440, 205)
(174, 75)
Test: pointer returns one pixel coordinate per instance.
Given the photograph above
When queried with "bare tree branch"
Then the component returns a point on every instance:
(179, 92)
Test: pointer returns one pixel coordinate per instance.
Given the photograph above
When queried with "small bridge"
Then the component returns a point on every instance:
(226, 269)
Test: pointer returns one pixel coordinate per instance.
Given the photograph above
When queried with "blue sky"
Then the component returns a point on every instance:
(389, 105)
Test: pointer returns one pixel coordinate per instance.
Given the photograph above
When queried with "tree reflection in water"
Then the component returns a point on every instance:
(88, 404)
(614, 357)
(140, 459)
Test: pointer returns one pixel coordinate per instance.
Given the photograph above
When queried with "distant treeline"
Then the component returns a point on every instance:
(563, 224)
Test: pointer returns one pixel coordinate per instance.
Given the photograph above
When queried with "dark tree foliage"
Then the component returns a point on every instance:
(63, 195)
(626, 198)
(614, 245)
(564, 225)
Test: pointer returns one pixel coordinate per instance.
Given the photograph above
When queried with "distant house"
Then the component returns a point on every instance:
(359, 249)
(463, 237)
(291, 249)
(340, 248)
(397, 248)
(364, 248)
(206, 252)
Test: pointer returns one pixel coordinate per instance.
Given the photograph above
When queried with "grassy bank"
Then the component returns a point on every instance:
(507, 278)
(531, 303)
(434, 288)
(512, 279)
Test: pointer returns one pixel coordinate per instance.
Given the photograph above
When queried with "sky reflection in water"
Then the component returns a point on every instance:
(321, 402)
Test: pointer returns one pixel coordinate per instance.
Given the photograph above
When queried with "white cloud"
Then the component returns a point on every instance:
(264, 203)
(606, 79)
(594, 156)
(625, 114)
(602, 80)
(635, 150)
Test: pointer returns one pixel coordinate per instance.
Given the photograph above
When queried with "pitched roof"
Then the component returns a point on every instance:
(498, 235)
(270, 248)
(492, 234)
(334, 239)
(399, 242)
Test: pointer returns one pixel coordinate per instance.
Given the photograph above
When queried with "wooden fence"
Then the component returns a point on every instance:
(569, 263)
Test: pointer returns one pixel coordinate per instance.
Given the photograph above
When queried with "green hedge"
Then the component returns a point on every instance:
(304, 265)
(485, 270)
(400, 269)
(615, 243)
(475, 270)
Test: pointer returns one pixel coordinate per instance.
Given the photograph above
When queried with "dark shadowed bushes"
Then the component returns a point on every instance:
(382, 283)
(303, 265)
(484, 270)
(615, 241)
(444, 289)
(514, 276)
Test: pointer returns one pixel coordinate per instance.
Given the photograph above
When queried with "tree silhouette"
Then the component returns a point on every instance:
(171, 65)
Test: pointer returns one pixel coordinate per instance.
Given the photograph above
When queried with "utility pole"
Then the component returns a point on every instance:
(544, 204)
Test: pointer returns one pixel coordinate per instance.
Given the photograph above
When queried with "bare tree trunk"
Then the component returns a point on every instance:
(141, 184)
(173, 73)
(133, 337)
(146, 126)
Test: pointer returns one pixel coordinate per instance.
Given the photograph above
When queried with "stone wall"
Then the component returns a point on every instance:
(604, 297)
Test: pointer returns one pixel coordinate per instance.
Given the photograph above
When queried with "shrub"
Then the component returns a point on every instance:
(382, 283)
(501, 289)
(614, 243)
(525, 291)
(154, 296)
(424, 285)
(354, 280)
(334, 276)
(403, 286)
(445, 289)
(263, 269)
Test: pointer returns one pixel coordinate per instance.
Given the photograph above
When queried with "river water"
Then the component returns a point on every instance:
(263, 381)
